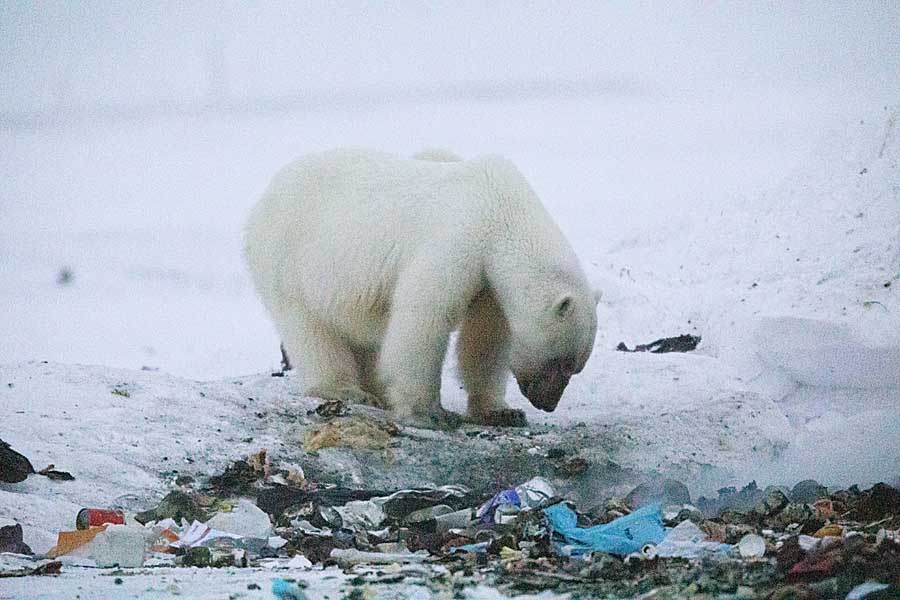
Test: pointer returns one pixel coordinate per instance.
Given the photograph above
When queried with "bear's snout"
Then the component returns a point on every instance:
(545, 388)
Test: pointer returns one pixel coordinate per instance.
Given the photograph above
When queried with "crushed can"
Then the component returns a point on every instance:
(94, 517)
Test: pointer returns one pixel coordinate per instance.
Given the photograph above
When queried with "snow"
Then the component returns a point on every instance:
(737, 180)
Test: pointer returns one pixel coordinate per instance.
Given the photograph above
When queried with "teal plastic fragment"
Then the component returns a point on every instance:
(621, 537)
(287, 590)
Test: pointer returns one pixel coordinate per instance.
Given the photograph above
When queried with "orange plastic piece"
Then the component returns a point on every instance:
(67, 541)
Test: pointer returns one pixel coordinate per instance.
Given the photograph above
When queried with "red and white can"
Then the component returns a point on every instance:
(94, 517)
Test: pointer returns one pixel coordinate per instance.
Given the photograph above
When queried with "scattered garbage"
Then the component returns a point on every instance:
(94, 517)
(680, 343)
(806, 541)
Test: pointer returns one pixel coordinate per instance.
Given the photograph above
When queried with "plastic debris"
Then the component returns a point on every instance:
(866, 589)
(244, 520)
(287, 590)
(360, 513)
(623, 536)
(752, 546)
(107, 546)
(200, 534)
(680, 343)
(505, 505)
(351, 556)
(299, 562)
(686, 540)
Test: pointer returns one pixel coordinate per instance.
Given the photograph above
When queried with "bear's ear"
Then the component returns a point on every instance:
(563, 306)
(597, 295)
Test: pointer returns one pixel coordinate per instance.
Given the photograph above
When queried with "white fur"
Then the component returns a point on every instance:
(367, 262)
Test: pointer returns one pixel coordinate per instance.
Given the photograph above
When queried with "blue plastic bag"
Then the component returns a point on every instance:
(621, 537)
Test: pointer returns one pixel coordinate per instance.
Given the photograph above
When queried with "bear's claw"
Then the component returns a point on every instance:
(505, 417)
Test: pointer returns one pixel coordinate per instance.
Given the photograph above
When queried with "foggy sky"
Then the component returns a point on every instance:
(95, 53)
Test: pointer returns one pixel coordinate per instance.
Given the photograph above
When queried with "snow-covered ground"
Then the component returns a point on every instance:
(757, 207)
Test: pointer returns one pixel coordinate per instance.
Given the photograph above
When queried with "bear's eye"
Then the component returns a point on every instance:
(563, 307)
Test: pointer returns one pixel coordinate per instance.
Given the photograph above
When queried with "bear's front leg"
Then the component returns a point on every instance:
(483, 353)
(412, 352)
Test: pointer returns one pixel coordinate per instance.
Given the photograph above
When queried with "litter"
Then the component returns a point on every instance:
(687, 540)
(364, 514)
(299, 562)
(287, 590)
(244, 520)
(866, 589)
(94, 517)
(351, 556)
(680, 343)
(107, 546)
(752, 546)
(505, 505)
(622, 537)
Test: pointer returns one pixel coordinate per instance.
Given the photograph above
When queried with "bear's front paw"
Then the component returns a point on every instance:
(505, 417)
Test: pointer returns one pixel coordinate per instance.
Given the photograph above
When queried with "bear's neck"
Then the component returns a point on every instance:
(528, 270)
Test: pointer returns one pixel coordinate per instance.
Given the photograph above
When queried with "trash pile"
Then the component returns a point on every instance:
(804, 542)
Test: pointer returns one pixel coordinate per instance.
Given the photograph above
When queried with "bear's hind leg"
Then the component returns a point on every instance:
(483, 353)
(325, 359)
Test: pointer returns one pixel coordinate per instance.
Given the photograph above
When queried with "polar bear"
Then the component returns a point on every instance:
(367, 262)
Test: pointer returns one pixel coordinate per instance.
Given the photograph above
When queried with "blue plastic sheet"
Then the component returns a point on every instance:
(622, 537)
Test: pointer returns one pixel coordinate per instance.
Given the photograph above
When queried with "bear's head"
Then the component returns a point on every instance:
(553, 345)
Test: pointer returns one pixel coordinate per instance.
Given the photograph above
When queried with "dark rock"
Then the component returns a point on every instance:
(792, 513)
(789, 554)
(733, 517)
(808, 491)
(176, 505)
(689, 513)
(328, 409)
(197, 557)
(11, 540)
(237, 479)
(14, 467)
(667, 491)
(730, 498)
(772, 503)
(877, 503)
(276, 499)
(50, 473)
